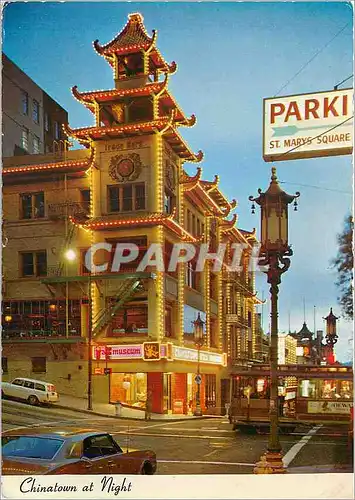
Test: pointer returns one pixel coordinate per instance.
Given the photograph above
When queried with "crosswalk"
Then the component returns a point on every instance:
(15, 415)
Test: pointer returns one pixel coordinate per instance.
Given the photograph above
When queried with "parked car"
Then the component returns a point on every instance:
(33, 391)
(47, 450)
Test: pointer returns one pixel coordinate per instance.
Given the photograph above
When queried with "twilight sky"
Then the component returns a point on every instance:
(230, 56)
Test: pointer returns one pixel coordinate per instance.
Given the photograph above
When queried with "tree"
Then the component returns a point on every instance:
(343, 264)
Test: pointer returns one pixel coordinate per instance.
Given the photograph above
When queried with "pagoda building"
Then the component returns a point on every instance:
(129, 185)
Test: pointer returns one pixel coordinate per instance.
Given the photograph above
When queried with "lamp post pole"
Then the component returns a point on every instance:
(198, 411)
(274, 254)
(199, 334)
(90, 347)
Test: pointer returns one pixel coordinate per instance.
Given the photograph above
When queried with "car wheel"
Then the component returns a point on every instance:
(147, 469)
(33, 400)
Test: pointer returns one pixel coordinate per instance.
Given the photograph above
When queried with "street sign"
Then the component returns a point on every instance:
(198, 379)
(232, 318)
(308, 125)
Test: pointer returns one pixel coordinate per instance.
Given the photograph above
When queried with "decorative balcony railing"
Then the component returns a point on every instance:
(66, 209)
(36, 334)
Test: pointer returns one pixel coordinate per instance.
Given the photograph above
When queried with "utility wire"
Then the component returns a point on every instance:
(316, 187)
(23, 127)
(343, 81)
(26, 92)
(312, 58)
(316, 137)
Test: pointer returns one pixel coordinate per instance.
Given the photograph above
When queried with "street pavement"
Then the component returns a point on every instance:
(208, 446)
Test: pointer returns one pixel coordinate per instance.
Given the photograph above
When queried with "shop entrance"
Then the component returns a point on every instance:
(167, 393)
(190, 393)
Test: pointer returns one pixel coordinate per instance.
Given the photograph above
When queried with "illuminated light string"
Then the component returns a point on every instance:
(70, 163)
(102, 93)
(220, 297)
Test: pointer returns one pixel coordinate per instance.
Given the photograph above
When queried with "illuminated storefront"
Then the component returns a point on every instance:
(174, 391)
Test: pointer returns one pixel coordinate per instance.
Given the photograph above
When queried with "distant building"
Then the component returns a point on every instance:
(310, 349)
(287, 346)
(262, 343)
(31, 119)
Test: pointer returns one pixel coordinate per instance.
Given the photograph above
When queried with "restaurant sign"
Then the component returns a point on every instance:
(308, 125)
(154, 351)
(329, 407)
(186, 354)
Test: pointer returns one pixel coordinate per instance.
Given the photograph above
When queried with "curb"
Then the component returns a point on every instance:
(92, 412)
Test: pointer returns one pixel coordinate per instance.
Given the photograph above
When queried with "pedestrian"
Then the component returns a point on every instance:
(148, 405)
(281, 405)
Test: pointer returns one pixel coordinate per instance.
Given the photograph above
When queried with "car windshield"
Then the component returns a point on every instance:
(30, 447)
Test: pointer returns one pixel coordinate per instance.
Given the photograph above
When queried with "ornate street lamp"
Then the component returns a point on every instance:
(331, 337)
(199, 339)
(274, 253)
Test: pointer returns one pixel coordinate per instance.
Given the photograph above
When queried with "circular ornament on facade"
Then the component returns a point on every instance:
(125, 167)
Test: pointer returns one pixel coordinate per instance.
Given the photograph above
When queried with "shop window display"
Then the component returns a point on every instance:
(129, 388)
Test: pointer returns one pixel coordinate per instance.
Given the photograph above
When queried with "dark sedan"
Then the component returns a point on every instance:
(46, 450)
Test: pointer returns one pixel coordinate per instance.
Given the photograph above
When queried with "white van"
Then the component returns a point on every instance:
(33, 391)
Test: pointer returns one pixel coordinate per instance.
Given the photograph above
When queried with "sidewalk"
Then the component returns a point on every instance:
(74, 403)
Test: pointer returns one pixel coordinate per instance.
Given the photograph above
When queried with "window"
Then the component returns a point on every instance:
(46, 122)
(24, 99)
(169, 202)
(56, 130)
(30, 447)
(34, 264)
(189, 278)
(213, 287)
(25, 134)
(18, 381)
(40, 387)
(169, 322)
(214, 332)
(132, 320)
(32, 205)
(35, 145)
(39, 365)
(114, 199)
(97, 446)
(210, 391)
(126, 198)
(85, 199)
(140, 196)
(35, 111)
(28, 384)
(4, 365)
(168, 248)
